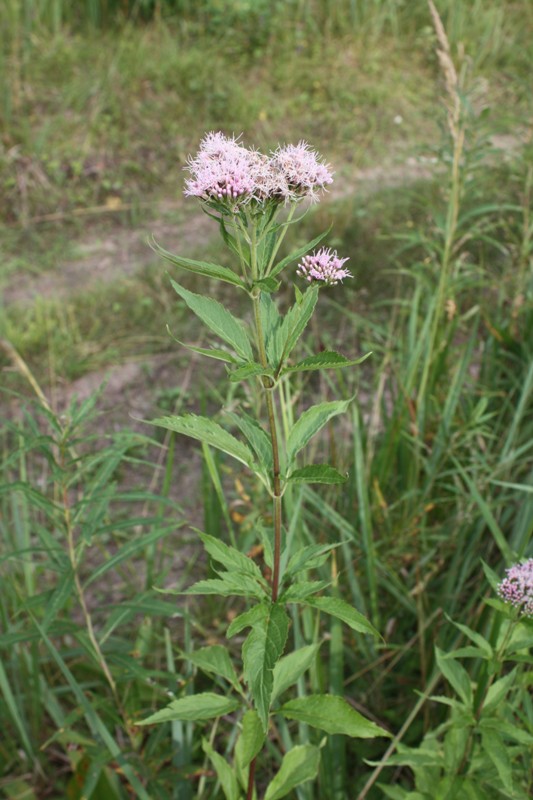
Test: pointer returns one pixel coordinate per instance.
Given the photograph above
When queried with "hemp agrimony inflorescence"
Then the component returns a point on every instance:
(225, 170)
(517, 587)
(253, 198)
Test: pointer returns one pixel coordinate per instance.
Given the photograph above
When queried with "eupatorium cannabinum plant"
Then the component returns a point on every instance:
(253, 198)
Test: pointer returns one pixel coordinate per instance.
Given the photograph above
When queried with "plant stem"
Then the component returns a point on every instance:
(251, 775)
(79, 588)
(268, 386)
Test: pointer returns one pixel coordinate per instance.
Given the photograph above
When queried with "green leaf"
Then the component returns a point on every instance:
(487, 515)
(291, 667)
(194, 708)
(331, 714)
(310, 422)
(455, 746)
(96, 725)
(271, 323)
(296, 254)
(205, 430)
(210, 352)
(225, 773)
(329, 359)
(219, 319)
(214, 660)
(250, 370)
(475, 637)
(229, 584)
(126, 551)
(16, 713)
(310, 557)
(507, 730)
(268, 285)
(317, 473)
(230, 557)
(498, 691)
(200, 267)
(295, 321)
(299, 592)
(60, 597)
(344, 611)
(298, 766)
(456, 675)
(247, 619)
(257, 437)
(494, 747)
(251, 739)
(260, 653)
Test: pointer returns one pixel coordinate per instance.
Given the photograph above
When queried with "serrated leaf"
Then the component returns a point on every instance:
(498, 691)
(309, 557)
(271, 323)
(203, 268)
(251, 739)
(268, 285)
(249, 370)
(299, 592)
(344, 611)
(494, 747)
(291, 667)
(210, 352)
(214, 660)
(218, 319)
(456, 675)
(298, 766)
(455, 747)
(507, 730)
(225, 773)
(260, 653)
(194, 708)
(257, 438)
(331, 714)
(228, 585)
(295, 321)
(230, 557)
(247, 619)
(298, 253)
(329, 359)
(310, 422)
(317, 473)
(206, 430)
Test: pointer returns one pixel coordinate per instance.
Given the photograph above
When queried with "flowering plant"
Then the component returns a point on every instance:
(253, 198)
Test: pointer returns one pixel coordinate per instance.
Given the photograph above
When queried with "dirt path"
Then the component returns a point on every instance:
(126, 252)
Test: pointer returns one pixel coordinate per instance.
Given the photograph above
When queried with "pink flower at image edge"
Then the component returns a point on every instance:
(517, 587)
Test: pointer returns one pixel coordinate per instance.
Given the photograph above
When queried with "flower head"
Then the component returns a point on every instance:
(297, 171)
(517, 587)
(323, 266)
(223, 170)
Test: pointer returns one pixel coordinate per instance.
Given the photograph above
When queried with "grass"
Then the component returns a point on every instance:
(438, 447)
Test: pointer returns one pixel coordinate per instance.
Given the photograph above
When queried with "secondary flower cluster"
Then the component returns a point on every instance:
(517, 587)
(225, 170)
(323, 266)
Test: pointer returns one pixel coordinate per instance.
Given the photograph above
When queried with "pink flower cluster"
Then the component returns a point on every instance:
(517, 587)
(225, 170)
(323, 266)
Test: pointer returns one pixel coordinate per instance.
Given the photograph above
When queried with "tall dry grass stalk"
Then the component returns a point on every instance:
(456, 126)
